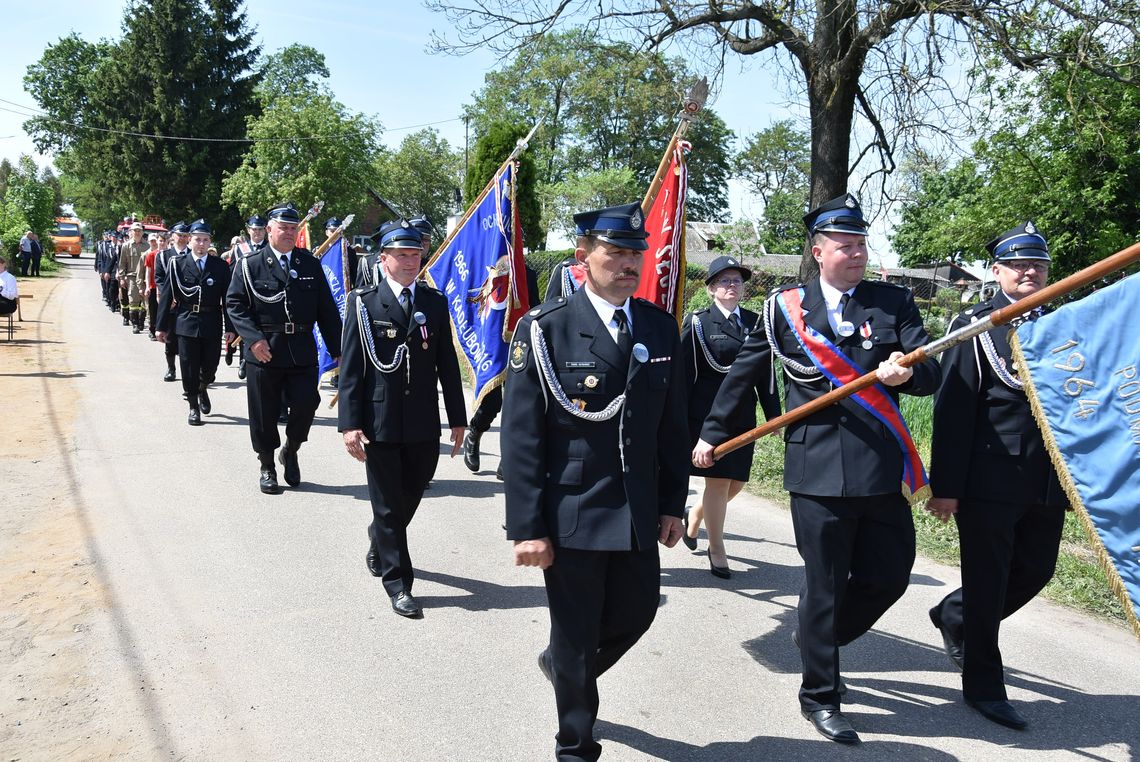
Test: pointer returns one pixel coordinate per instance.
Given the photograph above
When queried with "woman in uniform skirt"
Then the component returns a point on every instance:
(710, 341)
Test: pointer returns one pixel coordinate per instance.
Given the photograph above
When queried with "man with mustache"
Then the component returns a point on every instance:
(594, 450)
(991, 472)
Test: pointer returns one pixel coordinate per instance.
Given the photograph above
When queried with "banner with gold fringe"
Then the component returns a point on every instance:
(1083, 383)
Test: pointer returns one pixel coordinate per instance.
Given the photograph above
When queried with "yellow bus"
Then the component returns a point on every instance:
(67, 237)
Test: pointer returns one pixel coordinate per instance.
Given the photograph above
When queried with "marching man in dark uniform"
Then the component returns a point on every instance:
(277, 294)
(179, 244)
(192, 305)
(845, 466)
(991, 472)
(397, 346)
(595, 463)
(255, 226)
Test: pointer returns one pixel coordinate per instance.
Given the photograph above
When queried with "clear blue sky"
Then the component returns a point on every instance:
(376, 54)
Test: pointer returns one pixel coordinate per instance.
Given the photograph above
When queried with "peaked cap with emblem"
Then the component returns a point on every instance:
(622, 226)
(720, 264)
(201, 226)
(839, 215)
(1023, 242)
(422, 224)
(256, 221)
(398, 234)
(285, 213)
(332, 222)
(180, 227)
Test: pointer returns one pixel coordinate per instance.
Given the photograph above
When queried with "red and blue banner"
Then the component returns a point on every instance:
(1083, 383)
(481, 270)
(839, 370)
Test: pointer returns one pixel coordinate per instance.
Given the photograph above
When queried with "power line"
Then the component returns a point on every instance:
(38, 114)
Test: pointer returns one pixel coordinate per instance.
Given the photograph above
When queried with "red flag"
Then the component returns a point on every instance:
(303, 237)
(663, 268)
(521, 299)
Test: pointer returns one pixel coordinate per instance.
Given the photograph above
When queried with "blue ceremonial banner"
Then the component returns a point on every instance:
(332, 262)
(474, 268)
(1083, 382)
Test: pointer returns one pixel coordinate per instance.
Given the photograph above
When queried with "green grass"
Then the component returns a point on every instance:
(1078, 582)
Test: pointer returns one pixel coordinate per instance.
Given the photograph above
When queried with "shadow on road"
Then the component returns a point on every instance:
(759, 747)
(481, 595)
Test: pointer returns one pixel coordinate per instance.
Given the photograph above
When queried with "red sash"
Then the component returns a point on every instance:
(839, 369)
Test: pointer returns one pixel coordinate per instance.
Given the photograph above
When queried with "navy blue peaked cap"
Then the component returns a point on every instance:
(1023, 242)
(285, 212)
(201, 226)
(256, 221)
(839, 215)
(622, 226)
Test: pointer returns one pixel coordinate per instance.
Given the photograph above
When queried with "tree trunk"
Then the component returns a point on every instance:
(831, 98)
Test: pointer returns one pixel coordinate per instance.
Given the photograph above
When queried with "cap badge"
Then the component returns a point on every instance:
(850, 202)
(635, 220)
(1030, 228)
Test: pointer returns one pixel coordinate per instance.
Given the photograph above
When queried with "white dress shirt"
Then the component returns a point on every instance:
(606, 311)
(8, 287)
(831, 297)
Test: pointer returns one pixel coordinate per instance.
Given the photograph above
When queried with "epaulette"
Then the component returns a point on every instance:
(886, 283)
(254, 253)
(978, 309)
(422, 283)
(785, 287)
(547, 307)
(363, 290)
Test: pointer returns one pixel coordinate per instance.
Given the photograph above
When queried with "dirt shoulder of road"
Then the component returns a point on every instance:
(50, 592)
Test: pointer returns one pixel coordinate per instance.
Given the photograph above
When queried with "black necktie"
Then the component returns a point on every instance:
(843, 301)
(406, 298)
(624, 339)
(285, 263)
(734, 321)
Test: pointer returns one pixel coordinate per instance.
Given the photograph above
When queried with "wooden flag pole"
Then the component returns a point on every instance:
(694, 102)
(1007, 314)
(520, 146)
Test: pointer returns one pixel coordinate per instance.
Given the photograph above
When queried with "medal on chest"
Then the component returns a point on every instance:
(865, 332)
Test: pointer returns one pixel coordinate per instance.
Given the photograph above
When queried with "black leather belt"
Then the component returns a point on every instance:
(204, 308)
(289, 328)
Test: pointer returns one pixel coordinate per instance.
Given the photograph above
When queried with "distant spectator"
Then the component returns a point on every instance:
(37, 254)
(25, 253)
(8, 289)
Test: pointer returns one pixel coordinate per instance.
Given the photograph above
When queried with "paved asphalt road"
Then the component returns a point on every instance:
(246, 626)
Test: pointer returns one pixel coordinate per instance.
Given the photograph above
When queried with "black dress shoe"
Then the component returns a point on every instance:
(499, 471)
(291, 467)
(952, 645)
(195, 417)
(241, 370)
(690, 542)
(169, 375)
(1001, 712)
(283, 418)
(544, 665)
(204, 402)
(832, 725)
(268, 482)
(405, 605)
(471, 449)
(718, 571)
(372, 561)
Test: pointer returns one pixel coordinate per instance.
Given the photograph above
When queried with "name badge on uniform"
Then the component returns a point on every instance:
(583, 365)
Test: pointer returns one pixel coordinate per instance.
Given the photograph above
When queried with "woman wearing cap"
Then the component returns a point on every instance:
(710, 340)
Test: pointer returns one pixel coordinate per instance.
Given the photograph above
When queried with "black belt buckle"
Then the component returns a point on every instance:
(290, 328)
(195, 308)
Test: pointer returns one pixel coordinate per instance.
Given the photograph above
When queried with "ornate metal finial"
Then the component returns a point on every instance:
(695, 99)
